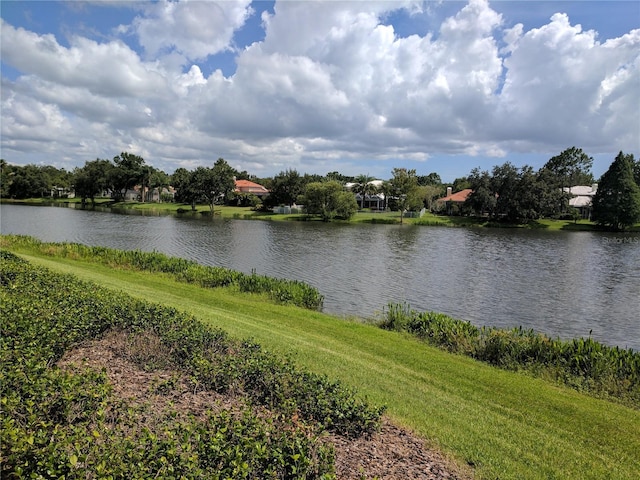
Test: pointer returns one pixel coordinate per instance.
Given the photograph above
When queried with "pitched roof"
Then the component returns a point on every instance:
(248, 186)
(580, 201)
(460, 196)
(582, 189)
(375, 183)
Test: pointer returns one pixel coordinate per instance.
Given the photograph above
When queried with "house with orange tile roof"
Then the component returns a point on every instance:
(249, 187)
(451, 200)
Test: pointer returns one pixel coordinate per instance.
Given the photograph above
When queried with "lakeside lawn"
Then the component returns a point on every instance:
(505, 425)
(363, 216)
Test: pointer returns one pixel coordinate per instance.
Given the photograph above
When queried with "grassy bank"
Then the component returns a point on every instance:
(584, 364)
(506, 425)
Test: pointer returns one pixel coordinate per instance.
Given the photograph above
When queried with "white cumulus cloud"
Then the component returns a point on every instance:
(330, 82)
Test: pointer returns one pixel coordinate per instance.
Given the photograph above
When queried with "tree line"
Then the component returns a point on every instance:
(520, 195)
(506, 194)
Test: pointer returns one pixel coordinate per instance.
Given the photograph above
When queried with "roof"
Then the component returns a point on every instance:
(375, 183)
(582, 189)
(460, 196)
(247, 186)
(580, 201)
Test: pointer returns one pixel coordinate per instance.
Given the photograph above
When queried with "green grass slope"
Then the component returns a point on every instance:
(506, 425)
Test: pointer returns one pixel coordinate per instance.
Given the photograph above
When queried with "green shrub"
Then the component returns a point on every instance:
(55, 423)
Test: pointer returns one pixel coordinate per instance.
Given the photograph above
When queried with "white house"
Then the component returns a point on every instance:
(582, 197)
(374, 201)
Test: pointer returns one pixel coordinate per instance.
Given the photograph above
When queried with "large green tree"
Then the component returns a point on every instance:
(554, 200)
(329, 200)
(527, 201)
(504, 183)
(403, 188)
(213, 184)
(6, 174)
(92, 179)
(482, 199)
(570, 168)
(128, 171)
(286, 187)
(508, 193)
(616, 204)
(182, 181)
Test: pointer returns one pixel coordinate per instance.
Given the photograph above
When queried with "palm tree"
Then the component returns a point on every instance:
(364, 187)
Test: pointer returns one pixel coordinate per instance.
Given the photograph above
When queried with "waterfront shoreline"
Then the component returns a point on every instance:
(361, 217)
(480, 415)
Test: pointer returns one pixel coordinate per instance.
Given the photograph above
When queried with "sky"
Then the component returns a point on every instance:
(357, 87)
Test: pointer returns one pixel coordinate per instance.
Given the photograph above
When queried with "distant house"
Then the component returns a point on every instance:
(132, 194)
(375, 201)
(158, 195)
(453, 201)
(582, 198)
(249, 187)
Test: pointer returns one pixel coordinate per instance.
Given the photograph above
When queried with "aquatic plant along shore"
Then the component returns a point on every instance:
(583, 364)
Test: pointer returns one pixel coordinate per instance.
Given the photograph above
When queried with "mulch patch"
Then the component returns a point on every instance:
(392, 453)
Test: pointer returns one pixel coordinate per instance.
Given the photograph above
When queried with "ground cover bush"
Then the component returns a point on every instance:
(55, 423)
(583, 364)
(291, 292)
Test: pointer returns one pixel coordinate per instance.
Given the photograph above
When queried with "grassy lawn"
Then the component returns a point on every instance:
(506, 425)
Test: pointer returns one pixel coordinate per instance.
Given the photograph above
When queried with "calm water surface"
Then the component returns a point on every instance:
(561, 283)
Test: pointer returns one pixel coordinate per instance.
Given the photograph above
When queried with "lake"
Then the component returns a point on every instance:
(565, 284)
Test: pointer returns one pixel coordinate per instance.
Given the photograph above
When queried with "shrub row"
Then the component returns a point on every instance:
(57, 424)
(280, 290)
(584, 363)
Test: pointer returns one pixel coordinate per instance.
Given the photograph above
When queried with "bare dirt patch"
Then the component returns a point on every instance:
(138, 369)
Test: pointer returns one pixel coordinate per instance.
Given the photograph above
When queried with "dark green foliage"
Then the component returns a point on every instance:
(291, 292)
(32, 181)
(127, 172)
(212, 184)
(329, 200)
(432, 179)
(482, 199)
(55, 423)
(581, 363)
(92, 179)
(570, 168)
(616, 204)
(285, 189)
(520, 195)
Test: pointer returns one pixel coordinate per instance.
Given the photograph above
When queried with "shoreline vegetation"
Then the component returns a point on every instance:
(362, 216)
(582, 363)
(483, 417)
